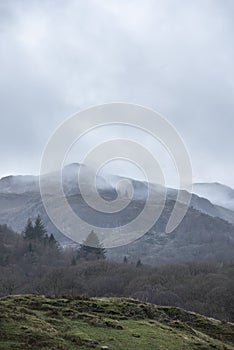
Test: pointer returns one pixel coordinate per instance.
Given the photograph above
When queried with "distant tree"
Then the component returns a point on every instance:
(52, 241)
(125, 260)
(91, 248)
(29, 230)
(139, 263)
(73, 261)
(39, 229)
(37, 232)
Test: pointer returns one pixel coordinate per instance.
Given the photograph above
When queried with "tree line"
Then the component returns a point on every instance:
(33, 262)
(90, 249)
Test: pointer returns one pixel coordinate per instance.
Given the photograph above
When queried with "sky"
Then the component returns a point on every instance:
(174, 56)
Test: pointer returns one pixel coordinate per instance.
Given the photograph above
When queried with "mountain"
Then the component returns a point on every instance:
(198, 237)
(205, 206)
(217, 193)
(19, 184)
(205, 233)
(39, 322)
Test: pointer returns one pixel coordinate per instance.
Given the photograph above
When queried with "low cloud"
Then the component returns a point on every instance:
(59, 57)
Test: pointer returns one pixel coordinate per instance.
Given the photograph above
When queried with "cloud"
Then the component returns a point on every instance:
(59, 57)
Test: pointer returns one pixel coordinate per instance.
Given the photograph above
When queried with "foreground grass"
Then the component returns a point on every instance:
(39, 322)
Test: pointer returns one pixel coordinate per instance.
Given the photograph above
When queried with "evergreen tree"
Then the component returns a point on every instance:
(139, 263)
(29, 230)
(91, 249)
(38, 232)
(39, 229)
(52, 241)
(125, 260)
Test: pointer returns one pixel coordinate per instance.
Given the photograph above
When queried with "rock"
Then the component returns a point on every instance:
(91, 341)
(136, 335)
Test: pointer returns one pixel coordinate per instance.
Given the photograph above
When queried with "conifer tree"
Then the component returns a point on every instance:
(91, 248)
(39, 229)
(52, 241)
(125, 260)
(29, 230)
(139, 263)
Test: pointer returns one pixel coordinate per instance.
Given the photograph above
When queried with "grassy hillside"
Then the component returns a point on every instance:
(38, 322)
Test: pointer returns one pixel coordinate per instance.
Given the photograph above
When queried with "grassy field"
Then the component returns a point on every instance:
(39, 322)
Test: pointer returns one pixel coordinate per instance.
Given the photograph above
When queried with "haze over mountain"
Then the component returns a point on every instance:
(57, 60)
(217, 193)
(134, 101)
(205, 232)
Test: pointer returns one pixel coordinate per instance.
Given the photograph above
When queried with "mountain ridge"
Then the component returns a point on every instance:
(217, 193)
(204, 221)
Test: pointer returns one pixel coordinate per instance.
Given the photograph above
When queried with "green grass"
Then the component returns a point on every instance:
(38, 322)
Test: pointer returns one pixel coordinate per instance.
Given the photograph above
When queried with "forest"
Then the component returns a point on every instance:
(33, 262)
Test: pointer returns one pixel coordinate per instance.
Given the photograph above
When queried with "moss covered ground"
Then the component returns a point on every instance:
(39, 322)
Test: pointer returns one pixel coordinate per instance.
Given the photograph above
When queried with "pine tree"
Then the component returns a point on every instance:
(37, 232)
(125, 260)
(29, 230)
(91, 249)
(39, 229)
(139, 263)
(52, 241)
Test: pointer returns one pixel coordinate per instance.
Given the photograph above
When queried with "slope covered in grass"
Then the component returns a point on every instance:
(39, 322)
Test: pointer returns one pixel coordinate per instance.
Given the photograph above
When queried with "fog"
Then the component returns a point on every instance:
(176, 57)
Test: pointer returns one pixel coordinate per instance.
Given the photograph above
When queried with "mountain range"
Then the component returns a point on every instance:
(206, 232)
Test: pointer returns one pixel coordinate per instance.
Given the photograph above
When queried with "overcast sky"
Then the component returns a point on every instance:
(175, 56)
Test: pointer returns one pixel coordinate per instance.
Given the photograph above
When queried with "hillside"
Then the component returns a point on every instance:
(39, 322)
(217, 193)
(206, 233)
(199, 237)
